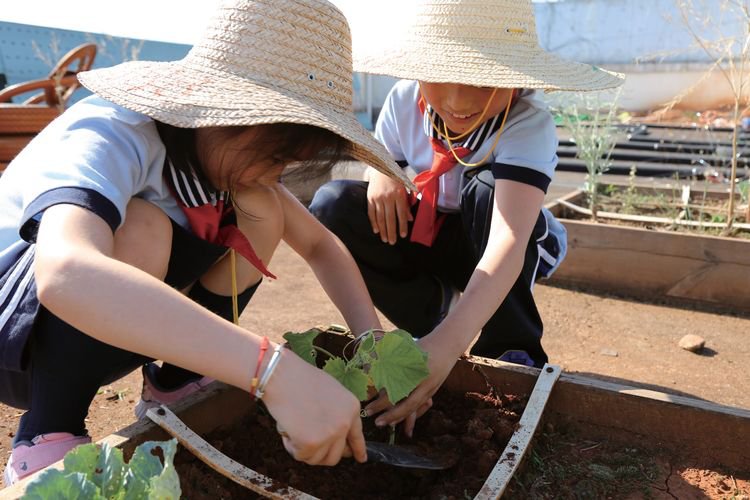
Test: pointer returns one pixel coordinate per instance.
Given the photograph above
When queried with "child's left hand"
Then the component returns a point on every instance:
(387, 207)
(440, 363)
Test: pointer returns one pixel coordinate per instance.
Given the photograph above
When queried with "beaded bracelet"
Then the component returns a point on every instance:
(261, 355)
(275, 357)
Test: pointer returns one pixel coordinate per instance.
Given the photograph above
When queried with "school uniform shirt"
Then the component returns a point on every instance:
(526, 151)
(96, 155)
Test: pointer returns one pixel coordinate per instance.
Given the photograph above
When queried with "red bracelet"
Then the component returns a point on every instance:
(261, 354)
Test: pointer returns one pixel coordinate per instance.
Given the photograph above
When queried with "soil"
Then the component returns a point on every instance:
(474, 427)
(601, 336)
(563, 463)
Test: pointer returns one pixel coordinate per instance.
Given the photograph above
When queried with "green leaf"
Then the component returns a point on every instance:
(167, 485)
(83, 459)
(302, 344)
(110, 471)
(56, 484)
(408, 337)
(351, 377)
(142, 467)
(400, 366)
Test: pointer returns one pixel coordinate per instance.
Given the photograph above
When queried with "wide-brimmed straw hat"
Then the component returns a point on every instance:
(258, 62)
(484, 43)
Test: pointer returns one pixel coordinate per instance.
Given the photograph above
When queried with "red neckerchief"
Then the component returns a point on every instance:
(213, 223)
(427, 222)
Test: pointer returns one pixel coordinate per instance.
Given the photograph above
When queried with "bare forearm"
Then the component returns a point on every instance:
(491, 281)
(338, 274)
(138, 313)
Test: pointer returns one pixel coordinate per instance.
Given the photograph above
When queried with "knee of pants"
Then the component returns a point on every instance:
(145, 238)
(335, 201)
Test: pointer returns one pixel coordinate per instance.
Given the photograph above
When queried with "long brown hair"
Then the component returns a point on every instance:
(311, 151)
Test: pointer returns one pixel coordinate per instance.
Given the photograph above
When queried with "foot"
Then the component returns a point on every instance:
(153, 395)
(29, 457)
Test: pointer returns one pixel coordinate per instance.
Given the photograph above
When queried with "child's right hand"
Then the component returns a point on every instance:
(319, 416)
(387, 207)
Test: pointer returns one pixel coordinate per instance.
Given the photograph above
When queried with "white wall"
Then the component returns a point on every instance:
(645, 39)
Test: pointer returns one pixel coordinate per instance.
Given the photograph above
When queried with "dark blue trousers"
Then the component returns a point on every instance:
(401, 277)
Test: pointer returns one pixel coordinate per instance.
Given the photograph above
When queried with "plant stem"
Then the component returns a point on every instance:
(320, 349)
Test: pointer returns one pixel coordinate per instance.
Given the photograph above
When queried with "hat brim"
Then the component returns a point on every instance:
(191, 97)
(511, 66)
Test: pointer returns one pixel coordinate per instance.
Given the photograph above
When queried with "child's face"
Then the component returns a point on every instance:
(226, 154)
(460, 106)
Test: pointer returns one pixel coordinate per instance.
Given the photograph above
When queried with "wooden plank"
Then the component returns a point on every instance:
(11, 145)
(515, 451)
(646, 263)
(25, 119)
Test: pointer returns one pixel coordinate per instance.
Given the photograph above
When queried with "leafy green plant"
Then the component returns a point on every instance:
(98, 473)
(390, 361)
(631, 193)
(591, 124)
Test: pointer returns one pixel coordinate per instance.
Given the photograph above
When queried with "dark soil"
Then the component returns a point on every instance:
(472, 429)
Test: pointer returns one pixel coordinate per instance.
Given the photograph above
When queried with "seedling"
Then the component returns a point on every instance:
(390, 361)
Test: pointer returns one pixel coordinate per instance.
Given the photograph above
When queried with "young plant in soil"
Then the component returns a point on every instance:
(381, 361)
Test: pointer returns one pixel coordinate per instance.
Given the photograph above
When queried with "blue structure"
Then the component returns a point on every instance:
(28, 52)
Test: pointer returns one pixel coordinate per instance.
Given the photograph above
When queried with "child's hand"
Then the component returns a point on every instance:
(387, 207)
(440, 362)
(317, 417)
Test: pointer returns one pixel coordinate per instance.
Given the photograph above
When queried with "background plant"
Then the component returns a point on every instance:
(591, 123)
(729, 54)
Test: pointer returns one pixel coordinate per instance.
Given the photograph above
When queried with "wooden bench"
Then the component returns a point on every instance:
(20, 122)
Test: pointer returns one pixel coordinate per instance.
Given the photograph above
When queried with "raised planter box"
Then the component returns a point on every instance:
(677, 267)
(702, 433)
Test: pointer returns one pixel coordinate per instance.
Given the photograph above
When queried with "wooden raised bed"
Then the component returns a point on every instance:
(702, 433)
(653, 262)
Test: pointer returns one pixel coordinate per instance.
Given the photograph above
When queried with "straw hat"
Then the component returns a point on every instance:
(484, 43)
(259, 62)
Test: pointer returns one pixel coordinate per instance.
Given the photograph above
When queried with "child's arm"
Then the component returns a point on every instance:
(79, 281)
(331, 262)
(515, 211)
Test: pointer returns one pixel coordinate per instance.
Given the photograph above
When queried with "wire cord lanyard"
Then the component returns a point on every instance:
(235, 306)
(444, 133)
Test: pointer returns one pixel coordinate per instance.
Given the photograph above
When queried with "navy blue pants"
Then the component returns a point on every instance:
(401, 277)
(64, 368)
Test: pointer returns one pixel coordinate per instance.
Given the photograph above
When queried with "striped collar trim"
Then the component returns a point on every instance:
(474, 140)
(191, 192)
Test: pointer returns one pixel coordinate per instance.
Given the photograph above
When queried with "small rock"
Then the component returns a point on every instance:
(609, 352)
(692, 343)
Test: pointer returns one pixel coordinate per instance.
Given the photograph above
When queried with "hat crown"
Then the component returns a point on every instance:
(491, 21)
(299, 48)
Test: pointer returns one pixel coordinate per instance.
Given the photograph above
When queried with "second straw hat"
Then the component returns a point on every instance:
(484, 43)
(258, 62)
